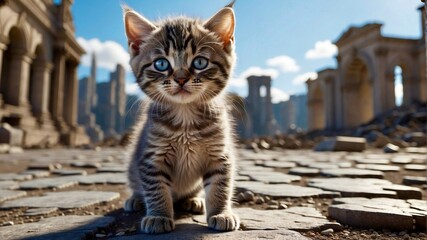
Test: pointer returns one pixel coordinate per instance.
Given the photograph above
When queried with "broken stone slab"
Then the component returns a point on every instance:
(185, 231)
(6, 195)
(112, 169)
(69, 172)
(391, 148)
(44, 166)
(282, 190)
(380, 213)
(273, 177)
(277, 164)
(418, 150)
(352, 172)
(372, 161)
(39, 211)
(419, 138)
(303, 171)
(404, 192)
(102, 178)
(413, 180)
(4, 148)
(63, 200)
(341, 143)
(86, 164)
(15, 176)
(10, 185)
(62, 227)
(11, 135)
(42, 183)
(415, 167)
(37, 173)
(401, 160)
(379, 167)
(354, 187)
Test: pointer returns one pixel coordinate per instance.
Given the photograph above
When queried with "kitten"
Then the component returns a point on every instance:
(184, 140)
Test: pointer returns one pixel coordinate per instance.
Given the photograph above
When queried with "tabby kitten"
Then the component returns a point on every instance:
(183, 141)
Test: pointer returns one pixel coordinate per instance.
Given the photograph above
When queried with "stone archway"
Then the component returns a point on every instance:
(357, 94)
(15, 69)
(317, 108)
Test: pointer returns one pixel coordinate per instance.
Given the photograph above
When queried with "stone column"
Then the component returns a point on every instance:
(57, 93)
(389, 90)
(71, 94)
(41, 86)
(379, 84)
(18, 79)
(2, 49)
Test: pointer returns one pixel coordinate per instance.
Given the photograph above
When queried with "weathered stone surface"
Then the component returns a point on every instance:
(86, 164)
(69, 172)
(241, 178)
(352, 172)
(188, 231)
(412, 180)
(63, 200)
(11, 185)
(112, 169)
(45, 166)
(340, 143)
(281, 190)
(303, 171)
(63, 227)
(354, 187)
(277, 164)
(40, 211)
(419, 138)
(42, 183)
(372, 161)
(405, 192)
(379, 167)
(10, 194)
(379, 213)
(15, 176)
(401, 160)
(11, 135)
(37, 173)
(391, 148)
(273, 177)
(102, 178)
(415, 167)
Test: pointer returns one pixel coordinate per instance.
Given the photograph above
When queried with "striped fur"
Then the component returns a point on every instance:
(183, 141)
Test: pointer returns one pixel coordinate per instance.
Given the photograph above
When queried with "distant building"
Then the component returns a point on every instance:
(363, 85)
(291, 113)
(102, 106)
(39, 56)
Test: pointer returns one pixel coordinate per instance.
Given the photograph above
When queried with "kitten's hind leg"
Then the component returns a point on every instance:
(134, 204)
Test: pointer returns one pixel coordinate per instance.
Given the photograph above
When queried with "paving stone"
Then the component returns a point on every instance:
(419, 150)
(303, 171)
(410, 180)
(62, 227)
(102, 178)
(401, 160)
(282, 190)
(352, 172)
(277, 164)
(185, 231)
(415, 167)
(63, 200)
(274, 177)
(391, 148)
(10, 194)
(380, 213)
(11, 185)
(354, 187)
(372, 161)
(44, 166)
(112, 169)
(405, 192)
(379, 167)
(39, 211)
(341, 143)
(69, 172)
(241, 178)
(15, 176)
(86, 164)
(42, 183)
(37, 173)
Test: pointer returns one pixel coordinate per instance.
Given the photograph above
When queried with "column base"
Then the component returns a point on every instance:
(76, 136)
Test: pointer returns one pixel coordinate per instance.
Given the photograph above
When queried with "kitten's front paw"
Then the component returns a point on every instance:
(224, 222)
(156, 224)
(194, 205)
(133, 204)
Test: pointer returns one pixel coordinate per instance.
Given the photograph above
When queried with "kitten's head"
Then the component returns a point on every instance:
(181, 60)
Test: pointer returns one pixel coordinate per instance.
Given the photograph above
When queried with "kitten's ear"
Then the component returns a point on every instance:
(222, 23)
(137, 28)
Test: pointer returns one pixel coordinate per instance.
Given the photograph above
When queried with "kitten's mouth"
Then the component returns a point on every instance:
(182, 91)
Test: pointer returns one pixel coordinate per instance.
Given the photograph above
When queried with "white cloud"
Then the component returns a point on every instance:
(108, 54)
(241, 81)
(283, 63)
(300, 79)
(278, 95)
(322, 49)
(132, 88)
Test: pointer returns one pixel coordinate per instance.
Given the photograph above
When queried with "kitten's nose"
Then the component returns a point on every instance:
(181, 77)
(181, 81)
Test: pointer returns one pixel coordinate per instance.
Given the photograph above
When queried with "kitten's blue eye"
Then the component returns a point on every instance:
(200, 63)
(161, 64)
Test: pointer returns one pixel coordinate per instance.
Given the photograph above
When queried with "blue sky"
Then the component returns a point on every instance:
(272, 36)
